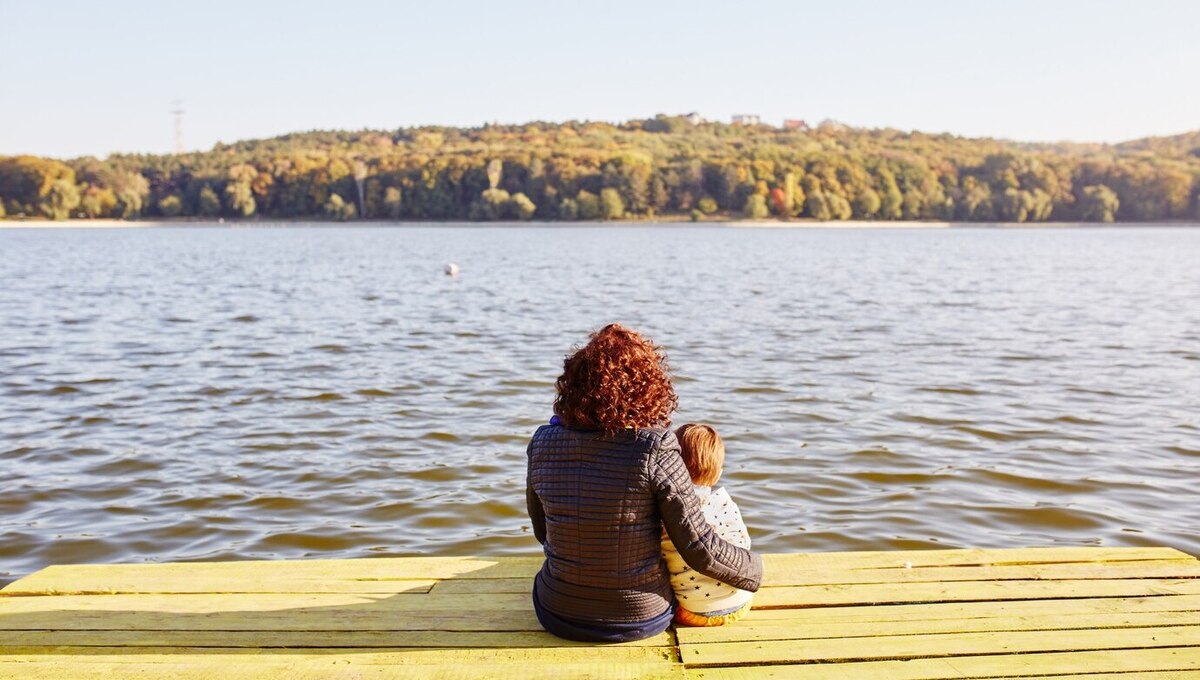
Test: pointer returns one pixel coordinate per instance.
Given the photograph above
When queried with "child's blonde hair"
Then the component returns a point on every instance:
(703, 452)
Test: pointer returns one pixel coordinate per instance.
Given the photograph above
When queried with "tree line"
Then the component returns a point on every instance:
(643, 169)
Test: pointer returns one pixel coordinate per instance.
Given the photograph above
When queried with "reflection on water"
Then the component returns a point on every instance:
(223, 393)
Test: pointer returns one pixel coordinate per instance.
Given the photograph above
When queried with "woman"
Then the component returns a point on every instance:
(604, 478)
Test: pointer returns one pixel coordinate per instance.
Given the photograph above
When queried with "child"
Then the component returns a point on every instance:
(703, 601)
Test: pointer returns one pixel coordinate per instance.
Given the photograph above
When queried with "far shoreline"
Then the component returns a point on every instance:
(108, 223)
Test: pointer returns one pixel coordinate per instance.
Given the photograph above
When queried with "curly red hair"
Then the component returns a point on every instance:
(618, 380)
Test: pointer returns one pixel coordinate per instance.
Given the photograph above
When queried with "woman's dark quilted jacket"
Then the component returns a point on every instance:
(598, 502)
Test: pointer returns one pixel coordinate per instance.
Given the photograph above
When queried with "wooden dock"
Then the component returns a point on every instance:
(1049, 612)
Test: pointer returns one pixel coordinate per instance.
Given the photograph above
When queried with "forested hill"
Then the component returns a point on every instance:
(664, 166)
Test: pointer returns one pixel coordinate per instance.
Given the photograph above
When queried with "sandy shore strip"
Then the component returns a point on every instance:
(79, 224)
(732, 224)
(848, 224)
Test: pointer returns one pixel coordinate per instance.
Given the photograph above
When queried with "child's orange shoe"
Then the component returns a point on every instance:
(685, 618)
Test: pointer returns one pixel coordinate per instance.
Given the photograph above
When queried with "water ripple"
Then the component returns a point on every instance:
(213, 394)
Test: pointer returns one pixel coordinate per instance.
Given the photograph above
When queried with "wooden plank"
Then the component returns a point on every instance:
(278, 613)
(898, 559)
(592, 662)
(750, 630)
(918, 646)
(256, 583)
(240, 603)
(811, 596)
(1121, 675)
(985, 611)
(483, 586)
(249, 612)
(368, 575)
(1181, 662)
(207, 669)
(1173, 569)
(379, 574)
(961, 610)
(790, 576)
(269, 639)
(184, 668)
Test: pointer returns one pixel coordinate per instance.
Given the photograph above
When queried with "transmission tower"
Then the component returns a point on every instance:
(177, 111)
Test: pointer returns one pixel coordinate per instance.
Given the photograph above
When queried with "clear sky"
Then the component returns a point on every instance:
(97, 77)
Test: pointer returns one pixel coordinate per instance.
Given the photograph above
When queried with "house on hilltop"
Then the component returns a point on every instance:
(746, 119)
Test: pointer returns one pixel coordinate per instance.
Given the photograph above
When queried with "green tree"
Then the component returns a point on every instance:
(976, 204)
(817, 206)
(633, 182)
(660, 197)
(756, 207)
(839, 207)
(522, 207)
(589, 205)
(611, 205)
(170, 205)
(707, 205)
(60, 200)
(207, 202)
(1013, 205)
(336, 208)
(131, 189)
(391, 202)
(240, 199)
(1041, 206)
(239, 194)
(793, 195)
(493, 204)
(1098, 203)
(913, 207)
(98, 202)
(867, 203)
(891, 201)
(568, 209)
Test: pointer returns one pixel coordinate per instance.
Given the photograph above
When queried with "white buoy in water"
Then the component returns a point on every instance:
(452, 270)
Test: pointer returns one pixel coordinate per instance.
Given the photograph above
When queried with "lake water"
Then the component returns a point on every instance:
(216, 393)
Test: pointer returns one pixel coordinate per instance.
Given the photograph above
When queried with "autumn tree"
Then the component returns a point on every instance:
(26, 182)
(660, 166)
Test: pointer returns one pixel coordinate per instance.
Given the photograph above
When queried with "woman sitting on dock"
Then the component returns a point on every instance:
(605, 476)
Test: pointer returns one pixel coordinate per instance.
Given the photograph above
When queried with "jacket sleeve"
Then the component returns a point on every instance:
(537, 516)
(696, 541)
